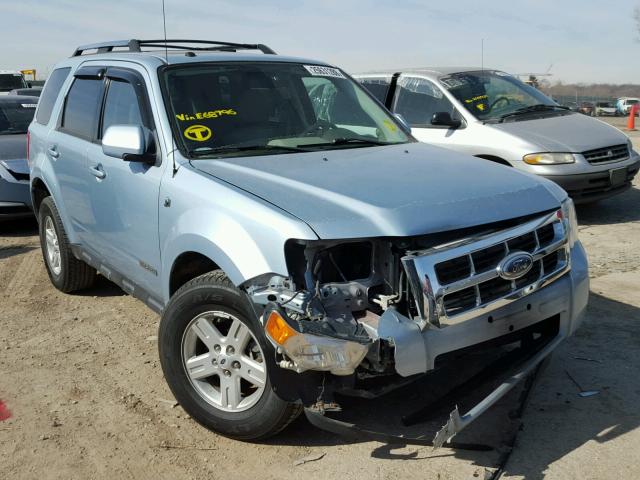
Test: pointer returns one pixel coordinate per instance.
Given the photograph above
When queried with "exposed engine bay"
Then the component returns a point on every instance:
(336, 294)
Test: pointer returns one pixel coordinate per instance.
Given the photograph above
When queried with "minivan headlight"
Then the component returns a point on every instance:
(548, 158)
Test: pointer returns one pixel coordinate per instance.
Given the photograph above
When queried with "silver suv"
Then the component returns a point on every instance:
(297, 241)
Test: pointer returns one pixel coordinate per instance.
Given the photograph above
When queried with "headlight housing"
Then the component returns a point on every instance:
(632, 152)
(549, 158)
(570, 220)
(313, 352)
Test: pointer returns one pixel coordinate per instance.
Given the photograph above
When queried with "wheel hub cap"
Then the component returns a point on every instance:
(223, 361)
(52, 247)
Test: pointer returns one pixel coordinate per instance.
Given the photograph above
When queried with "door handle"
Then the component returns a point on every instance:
(53, 152)
(98, 172)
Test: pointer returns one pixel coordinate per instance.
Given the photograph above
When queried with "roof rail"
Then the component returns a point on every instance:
(135, 45)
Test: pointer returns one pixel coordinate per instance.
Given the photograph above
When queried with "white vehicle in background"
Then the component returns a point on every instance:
(625, 103)
(10, 80)
(605, 109)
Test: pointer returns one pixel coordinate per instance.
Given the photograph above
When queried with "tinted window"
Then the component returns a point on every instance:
(16, 115)
(81, 108)
(122, 106)
(378, 87)
(50, 94)
(418, 99)
(9, 81)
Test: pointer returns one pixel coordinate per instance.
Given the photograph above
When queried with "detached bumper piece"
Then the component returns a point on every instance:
(509, 370)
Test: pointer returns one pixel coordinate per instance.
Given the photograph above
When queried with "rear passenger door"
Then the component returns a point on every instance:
(124, 194)
(67, 147)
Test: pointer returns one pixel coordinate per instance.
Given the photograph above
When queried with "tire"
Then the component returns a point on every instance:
(186, 338)
(67, 273)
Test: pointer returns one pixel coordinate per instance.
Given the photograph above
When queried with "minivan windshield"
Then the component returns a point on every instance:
(264, 108)
(494, 95)
(16, 115)
(11, 81)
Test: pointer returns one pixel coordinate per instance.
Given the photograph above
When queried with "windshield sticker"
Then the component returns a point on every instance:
(319, 71)
(186, 117)
(454, 82)
(390, 125)
(197, 133)
(29, 105)
(476, 99)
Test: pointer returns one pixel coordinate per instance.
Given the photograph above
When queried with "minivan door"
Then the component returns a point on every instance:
(418, 100)
(124, 196)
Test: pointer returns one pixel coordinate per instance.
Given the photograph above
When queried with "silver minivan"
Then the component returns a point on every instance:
(493, 115)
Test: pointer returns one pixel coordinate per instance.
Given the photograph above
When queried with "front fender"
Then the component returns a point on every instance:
(242, 234)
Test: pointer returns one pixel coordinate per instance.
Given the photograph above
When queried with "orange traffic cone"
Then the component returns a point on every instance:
(631, 123)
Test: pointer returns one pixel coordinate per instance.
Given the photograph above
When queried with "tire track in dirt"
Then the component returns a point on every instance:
(21, 282)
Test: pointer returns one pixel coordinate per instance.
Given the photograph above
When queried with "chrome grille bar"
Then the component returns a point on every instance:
(444, 299)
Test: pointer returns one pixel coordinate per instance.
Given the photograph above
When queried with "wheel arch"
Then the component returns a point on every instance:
(39, 191)
(494, 158)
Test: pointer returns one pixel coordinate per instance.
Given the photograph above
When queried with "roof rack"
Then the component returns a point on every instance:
(135, 45)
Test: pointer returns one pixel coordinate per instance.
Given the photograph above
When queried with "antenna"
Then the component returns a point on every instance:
(166, 57)
(164, 28)
(481, 53)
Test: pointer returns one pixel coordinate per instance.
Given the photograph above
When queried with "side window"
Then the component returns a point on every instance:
(418, 99)
(378, 87)
(80, 117)
(50, 94)
(331, 104)
(122, 106)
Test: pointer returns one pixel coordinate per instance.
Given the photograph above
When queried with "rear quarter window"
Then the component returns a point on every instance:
(50, 94)
(81, 109)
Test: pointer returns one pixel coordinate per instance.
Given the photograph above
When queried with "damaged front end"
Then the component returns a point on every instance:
(362, 317)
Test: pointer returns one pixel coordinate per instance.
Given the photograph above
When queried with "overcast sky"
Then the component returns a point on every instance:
(585, 40)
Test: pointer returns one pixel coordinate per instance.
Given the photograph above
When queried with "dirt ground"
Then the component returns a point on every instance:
(81, 379)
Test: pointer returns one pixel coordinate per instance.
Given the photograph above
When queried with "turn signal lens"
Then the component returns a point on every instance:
(278, 329)
(548, 158)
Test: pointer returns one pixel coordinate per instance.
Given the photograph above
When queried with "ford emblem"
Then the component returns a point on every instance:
(515, 266)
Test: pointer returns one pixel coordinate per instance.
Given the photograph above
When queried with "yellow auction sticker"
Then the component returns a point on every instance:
(198, 133)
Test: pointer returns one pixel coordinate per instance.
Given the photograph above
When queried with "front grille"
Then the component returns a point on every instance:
(607, 154)
(460, 278)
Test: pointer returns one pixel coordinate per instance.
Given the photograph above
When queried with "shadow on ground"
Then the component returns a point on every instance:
(604, 355)
(622, 208)
(559, 419)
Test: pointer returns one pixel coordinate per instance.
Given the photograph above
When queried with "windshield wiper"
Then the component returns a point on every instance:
(348, 141)
(208, 151)
(541, 107)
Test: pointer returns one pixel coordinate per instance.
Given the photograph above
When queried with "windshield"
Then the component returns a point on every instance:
(490, 95)
(10, 81)
(16, 115)
(632, 102)
(262, 108)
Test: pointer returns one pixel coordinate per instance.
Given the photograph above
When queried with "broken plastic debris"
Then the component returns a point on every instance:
(309, 458)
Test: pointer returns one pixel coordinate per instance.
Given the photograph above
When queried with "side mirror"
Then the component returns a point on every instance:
(403, 122)
(444, 119)
(129, 142)
(29, 84)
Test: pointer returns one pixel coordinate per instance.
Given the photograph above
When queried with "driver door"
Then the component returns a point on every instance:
(417, 100)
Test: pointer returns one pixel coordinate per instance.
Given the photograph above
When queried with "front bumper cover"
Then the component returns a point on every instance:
(565, 299)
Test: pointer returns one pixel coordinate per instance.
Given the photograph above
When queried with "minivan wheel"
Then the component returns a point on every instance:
(66, 272)
(214, 357)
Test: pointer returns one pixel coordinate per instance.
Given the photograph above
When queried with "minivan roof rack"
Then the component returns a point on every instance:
(135, 45)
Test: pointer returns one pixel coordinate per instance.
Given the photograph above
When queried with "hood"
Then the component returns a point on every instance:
(13, 146)
(573, 133)
(398, 190)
